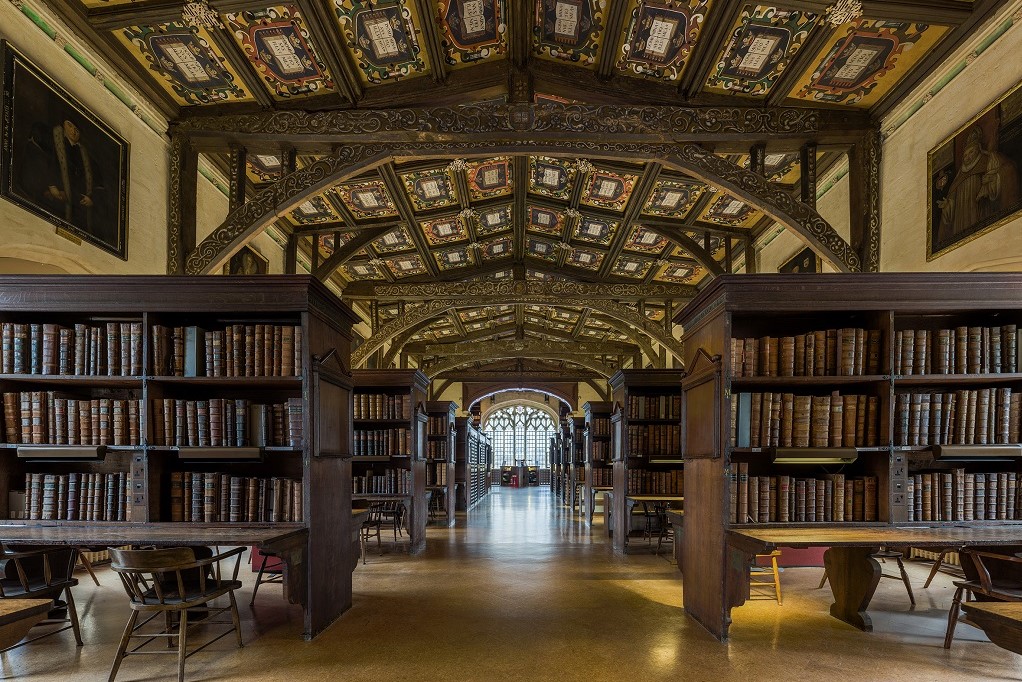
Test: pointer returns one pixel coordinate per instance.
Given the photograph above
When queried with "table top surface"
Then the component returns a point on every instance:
(871, 536)
(167, 534)
(603, 487)
(13, 610)
(1010, 612)
(656, 498)
(382, 497)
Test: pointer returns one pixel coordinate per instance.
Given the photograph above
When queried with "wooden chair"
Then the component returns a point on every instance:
(767, 576)
(271, 570)
(170, 581)
(372, 527)
(391, 514)
(666, 528)
(41, 573)
(989, 576)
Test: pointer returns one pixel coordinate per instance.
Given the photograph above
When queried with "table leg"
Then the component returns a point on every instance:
(854, 575)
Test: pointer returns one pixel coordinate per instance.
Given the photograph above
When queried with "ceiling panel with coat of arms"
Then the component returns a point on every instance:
(660, 36)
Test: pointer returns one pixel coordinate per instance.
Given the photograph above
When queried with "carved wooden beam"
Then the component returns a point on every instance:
(438, 369)
(519, 219)
(807, 174)
(946, 12)
(524, 348)
(326, 36)
(317, 132)
(712, 36)
(152, 12)
(345, 253)
(615, 24)
(700, 254)
(487, 293)
(432, 39)
(521, 378)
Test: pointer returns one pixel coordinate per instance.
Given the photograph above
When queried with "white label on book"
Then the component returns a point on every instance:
(187, 65)
(284, 54)
(758, 53)
(659, 41)
(858, 60)
(566, 19)
(472, 18)
(367, 199)
(431, 189)
(671, 198)
(550, 177)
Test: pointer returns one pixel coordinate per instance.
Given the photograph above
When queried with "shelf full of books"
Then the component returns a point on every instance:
(646, 440)
(847, 400)
(598, 455)
(390, 441)
(474, 460)
(440, 453)
(180, 400)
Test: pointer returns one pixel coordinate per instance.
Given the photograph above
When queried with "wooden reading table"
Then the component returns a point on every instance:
(591, 502)
(853, 572)
(289, 541)
(415, 542)
(632, 500)
(1001, 621)
(17, 616)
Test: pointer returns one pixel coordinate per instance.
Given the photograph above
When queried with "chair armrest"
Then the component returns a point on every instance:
(1013, 558)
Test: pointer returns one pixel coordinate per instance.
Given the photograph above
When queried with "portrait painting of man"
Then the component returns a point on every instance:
(247, 261)
(976, 177)
(61, 162)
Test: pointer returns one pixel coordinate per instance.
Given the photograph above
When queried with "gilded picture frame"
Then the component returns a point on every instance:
(975, 177)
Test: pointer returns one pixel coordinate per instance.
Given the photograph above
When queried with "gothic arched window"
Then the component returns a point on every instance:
(520, 432)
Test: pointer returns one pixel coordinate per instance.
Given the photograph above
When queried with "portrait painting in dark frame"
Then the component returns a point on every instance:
(805, 260)
(975, 177)
(247, 261)
(59, 160)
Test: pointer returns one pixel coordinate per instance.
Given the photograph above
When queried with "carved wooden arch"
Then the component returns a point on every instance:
(511, 402)
(430, 310)
(399, 341)
(352, 160)
(479, 392)
(461, 360)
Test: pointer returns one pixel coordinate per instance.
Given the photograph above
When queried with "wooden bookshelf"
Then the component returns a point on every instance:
(473, 461)
(599, 469)
(389, 406)
(576, 462)
(307, 465)
(892, 449)
(646, 440)
(440, 453)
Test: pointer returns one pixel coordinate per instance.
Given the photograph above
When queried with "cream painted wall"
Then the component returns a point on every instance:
(210, 210)
(23, 235)
(904, 206)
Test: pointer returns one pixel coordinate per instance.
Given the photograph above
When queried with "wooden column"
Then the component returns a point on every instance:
(291, 254)
(864, 198)
(239, 177)
(184, 169)
(751, 266)
(757, 159)
(807, 173)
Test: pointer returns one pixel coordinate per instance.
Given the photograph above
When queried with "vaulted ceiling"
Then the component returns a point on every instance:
(524, 216)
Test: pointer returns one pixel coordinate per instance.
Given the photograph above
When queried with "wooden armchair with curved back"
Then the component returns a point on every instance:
(41, 573)
(991, 574)
(174, 581)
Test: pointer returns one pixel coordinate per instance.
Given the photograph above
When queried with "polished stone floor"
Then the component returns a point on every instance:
(524, 591)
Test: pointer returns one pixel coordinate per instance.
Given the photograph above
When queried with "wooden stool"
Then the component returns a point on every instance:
(774, 579)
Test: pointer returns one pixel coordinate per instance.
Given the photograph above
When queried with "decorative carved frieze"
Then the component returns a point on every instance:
(528, 348)
(487, 292)
(454, 362)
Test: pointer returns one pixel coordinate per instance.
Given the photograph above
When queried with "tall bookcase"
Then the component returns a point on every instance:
(440, 451)
(895, 438)
(646, 442)
(474, 458)
(390, 442)
(599, 471)
(148, 343)
(576, 461)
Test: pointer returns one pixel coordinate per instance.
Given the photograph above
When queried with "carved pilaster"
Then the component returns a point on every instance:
(864, 198)
(239, 177)
(807, 173)
(181, 214)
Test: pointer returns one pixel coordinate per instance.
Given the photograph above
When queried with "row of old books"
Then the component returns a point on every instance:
(599, 427)
(383, 442)
(959, 495)
(603, 476)
(962, 350)
(390, 482)
(43, 418)
(382, 406)
(436, 475)
(76, 497)
(437, 425)
(436, 449)
(237, 350)
(654, 407)
(110, 349)
(645, 482)
(787, 499)
(601, 450)
(220, 422)
(654, 440)
(760, 420)
(211, 497)
(850, 351)
(578, 473)
(984, 416)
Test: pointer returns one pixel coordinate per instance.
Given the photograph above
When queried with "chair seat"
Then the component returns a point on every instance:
(1008, 590)
(171, 597)
(13, 589)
